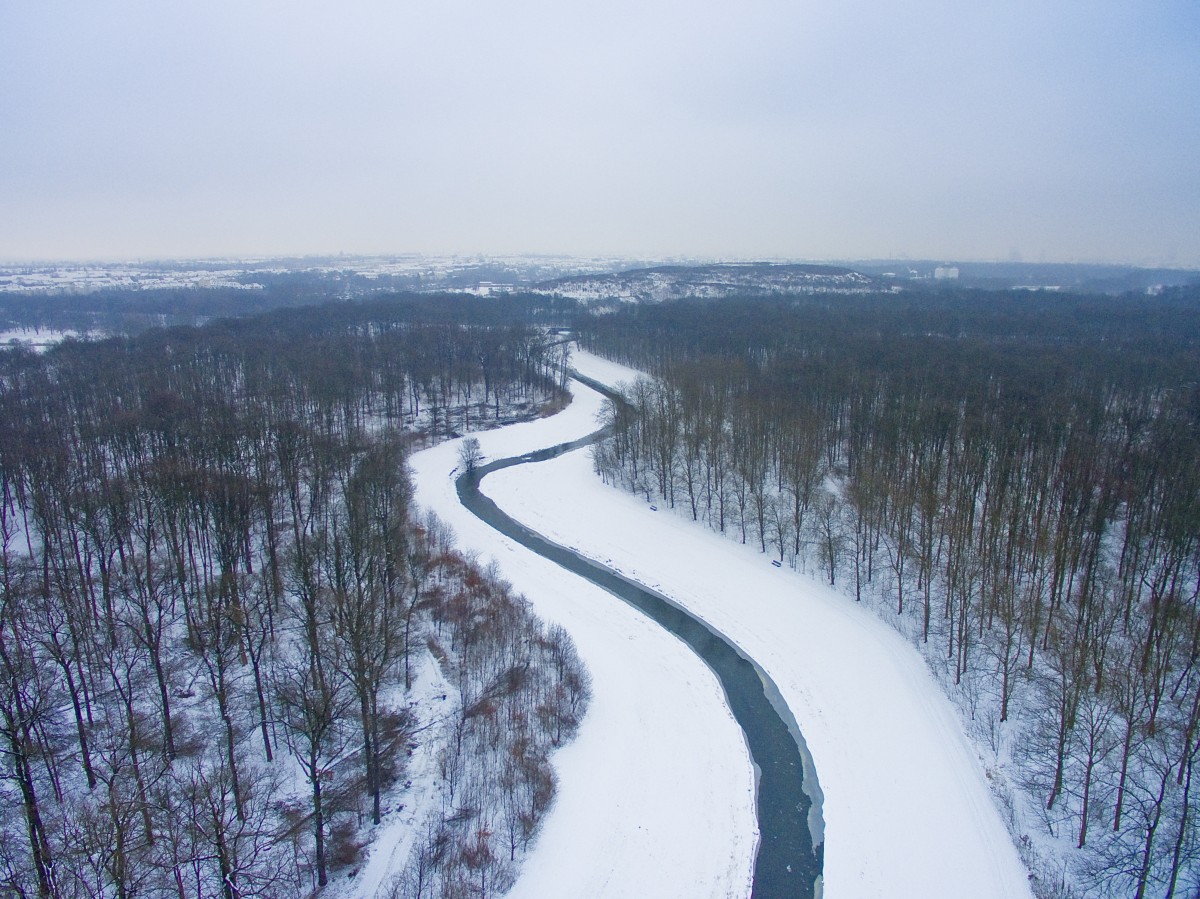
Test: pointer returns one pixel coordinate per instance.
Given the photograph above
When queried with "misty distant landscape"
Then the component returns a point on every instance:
(626, 451)
(124, 298)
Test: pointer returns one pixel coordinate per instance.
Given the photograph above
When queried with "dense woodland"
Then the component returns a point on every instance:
(123, 310)
(224, 629)
(1014, 480)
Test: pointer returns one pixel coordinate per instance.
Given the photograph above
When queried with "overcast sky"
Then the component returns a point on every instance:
(808, 129)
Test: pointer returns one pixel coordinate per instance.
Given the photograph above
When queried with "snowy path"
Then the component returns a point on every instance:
(656, 795)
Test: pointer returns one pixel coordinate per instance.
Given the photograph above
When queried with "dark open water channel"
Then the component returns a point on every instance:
(787, 864)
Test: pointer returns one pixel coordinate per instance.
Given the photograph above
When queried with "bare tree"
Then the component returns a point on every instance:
(470, 455)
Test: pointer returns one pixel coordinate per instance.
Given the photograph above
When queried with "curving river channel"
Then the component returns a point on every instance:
(788, 864)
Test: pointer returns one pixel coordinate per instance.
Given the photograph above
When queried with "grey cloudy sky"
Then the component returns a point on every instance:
(809, 129)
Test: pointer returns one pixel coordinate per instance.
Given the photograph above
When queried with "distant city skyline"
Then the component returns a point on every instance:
(770, 130)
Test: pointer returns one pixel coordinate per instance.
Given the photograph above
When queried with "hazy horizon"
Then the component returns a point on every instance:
(614, 262)
(772, 131)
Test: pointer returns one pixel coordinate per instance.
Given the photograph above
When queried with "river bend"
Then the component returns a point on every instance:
(787, 863)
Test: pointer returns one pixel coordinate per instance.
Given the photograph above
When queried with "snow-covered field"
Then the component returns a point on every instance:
(656, 794)
(37, 339)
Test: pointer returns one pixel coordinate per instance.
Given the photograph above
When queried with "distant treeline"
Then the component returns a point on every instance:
(131, 311)
(1017, 476)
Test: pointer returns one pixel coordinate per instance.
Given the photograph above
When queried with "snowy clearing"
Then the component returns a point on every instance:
(37, 339)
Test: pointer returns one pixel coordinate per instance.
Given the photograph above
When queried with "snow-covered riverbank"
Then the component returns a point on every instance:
(656, 795)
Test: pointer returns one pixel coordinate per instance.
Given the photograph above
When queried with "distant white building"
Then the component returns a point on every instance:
(946, 273)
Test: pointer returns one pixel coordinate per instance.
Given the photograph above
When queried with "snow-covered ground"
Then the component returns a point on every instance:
(403, 826)
(37, 339)
(656, 794)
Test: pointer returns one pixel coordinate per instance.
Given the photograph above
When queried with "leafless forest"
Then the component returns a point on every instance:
(1014, 480)
(216, 597)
